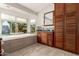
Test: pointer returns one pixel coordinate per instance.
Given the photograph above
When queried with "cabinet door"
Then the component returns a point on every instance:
(78, 37)
(44, 37)
(70, 34)
(50, 39)
(59, 9)
(39, 37)
(77, 41)
(70, 7)
(59, 32)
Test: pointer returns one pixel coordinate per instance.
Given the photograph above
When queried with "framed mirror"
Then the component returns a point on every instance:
(48, 18)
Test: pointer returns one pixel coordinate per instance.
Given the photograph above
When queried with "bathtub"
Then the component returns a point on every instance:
(13, 43)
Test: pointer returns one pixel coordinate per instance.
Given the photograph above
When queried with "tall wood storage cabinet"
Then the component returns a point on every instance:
(70, 27)
(59, 21)
(67, 26)
(77, 29)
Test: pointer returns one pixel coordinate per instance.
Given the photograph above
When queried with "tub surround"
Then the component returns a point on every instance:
(18, 36)
(13, 43)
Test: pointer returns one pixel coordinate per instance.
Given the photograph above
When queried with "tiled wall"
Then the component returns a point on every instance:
(16, 44)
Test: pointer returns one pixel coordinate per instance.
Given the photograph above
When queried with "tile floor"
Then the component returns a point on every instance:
(40, 50)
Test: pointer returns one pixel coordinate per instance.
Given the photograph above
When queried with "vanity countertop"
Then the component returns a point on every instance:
(45, 31)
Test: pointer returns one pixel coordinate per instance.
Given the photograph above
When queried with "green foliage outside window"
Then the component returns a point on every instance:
(22, 27)
(32, 28)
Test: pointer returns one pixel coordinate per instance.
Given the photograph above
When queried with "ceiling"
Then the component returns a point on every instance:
(36, 7)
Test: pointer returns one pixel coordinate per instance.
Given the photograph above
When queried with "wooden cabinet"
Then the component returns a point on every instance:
(67, 26)
(70, 7)
(70, 34)
(50, 37)
(59, 22)
(66, 22)
(46, 38)
(77, 36)
(70, 27)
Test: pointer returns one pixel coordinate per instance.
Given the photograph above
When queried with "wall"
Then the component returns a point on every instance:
(18, 13)
(41, 14)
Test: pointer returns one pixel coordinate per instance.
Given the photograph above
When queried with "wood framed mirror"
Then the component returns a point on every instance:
(48, 18)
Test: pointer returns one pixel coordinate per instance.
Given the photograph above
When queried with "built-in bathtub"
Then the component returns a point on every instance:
(12, 43)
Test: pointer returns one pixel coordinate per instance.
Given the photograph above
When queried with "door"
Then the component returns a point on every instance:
(50, 37)
(59, 32)
(59, 25)
(70, 28)
(44, 38)
(39, 37)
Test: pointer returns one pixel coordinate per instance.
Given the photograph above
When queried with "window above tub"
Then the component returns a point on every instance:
(12, 24)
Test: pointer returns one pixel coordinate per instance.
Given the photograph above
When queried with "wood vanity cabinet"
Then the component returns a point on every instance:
(45, 38)
(59, 9)
(50, 37)
(77, 49)
(39, 37)
(0, 47)
(70, 7)
(70, 34)
(59, 32)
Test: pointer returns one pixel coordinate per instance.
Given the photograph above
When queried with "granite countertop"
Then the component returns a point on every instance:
(45, 31)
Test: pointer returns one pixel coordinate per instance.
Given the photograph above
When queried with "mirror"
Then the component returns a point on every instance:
(48, 19)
